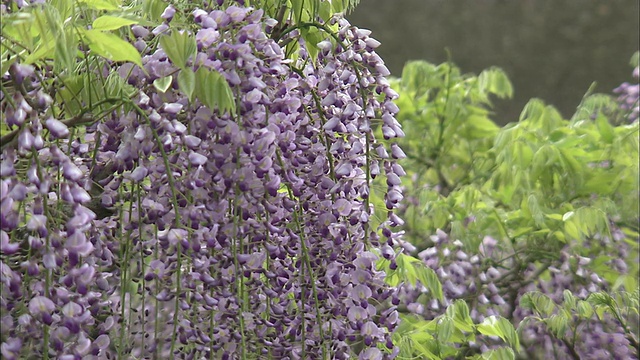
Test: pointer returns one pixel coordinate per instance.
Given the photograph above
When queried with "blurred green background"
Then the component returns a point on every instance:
(550, 49)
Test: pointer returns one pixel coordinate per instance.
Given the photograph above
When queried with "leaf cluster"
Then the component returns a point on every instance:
(566, 320)
(450, 335)
(535, 185)
(539, 185)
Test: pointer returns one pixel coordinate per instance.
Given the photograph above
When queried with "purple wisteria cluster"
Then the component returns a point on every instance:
(45, 229)
(229, 235)
(493, 283)
(629, 97)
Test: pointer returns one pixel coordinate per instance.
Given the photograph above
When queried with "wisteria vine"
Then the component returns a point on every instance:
(168, 229)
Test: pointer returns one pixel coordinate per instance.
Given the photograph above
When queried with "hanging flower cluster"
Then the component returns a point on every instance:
(495, 287)
(629, 96)
(174, 230)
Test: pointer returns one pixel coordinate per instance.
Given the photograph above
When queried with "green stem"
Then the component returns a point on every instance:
(124, 282)
(306, 262)
(47, 279)
(238, 272)
(156, 327)
(176, 207)
(142, 264)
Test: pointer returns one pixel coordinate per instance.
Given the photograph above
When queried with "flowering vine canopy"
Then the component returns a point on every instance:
(209, 199)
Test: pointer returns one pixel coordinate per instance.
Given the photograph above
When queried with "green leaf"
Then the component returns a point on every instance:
(522, 154)
(568, 215)
(627, 281)
(117, 87)
(163, 83)
(601, 299)
(213, 90)
(71, 94)
(423, 350)
(538, 302)
(187, 82)
(592, 103)
(325, 10)
(605, 128)
(46, 26)
(205, 87)
(20, 26)
(5, 65)
(112, 47)
(569, 299)
(45, 50)
(392, 277)
(539, 162)
(417, 76)
(502, 328)
(66, 49)
(557, 324)
(109, 22)
(509, 332)
(351, 4)
(65, 8)
(179, 47)
(224, 95)
(429, 279)
(479, 127)
(584, 309)
(551, 119)
(300, 13)
(445, 328)
(101, 4)
(573, 168)
(489, 327)
(338, 6)
(603, 183)
(406, 269)
(153, 9)
(534, 209)
(572, 231)
(532, 111)
(521, 231)
(312, 37)
(495, 81)
(50, 27)
(501, 353)
(459, 312)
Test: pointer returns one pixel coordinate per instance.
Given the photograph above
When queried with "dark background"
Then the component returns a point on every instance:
(550, 49)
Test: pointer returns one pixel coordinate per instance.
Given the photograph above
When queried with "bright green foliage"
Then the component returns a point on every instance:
(179, 47)
(440, 338)
(110, 22)
(37, 36)
(410, 270)
(62, 36)
(449, 135)
(536, 185)
(111, 46)
(567, 319)
(213, 90)
(622, 305)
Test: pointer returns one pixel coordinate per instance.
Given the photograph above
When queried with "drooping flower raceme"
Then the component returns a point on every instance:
(629, 96)
(497, 290)
(231, 233)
